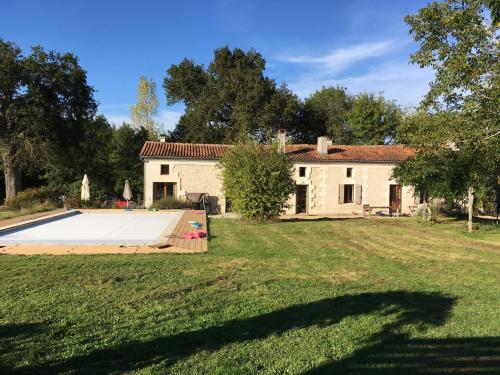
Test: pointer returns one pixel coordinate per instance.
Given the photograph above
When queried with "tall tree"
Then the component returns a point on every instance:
(126, 146)
(44, 102)
(325, 113)
(459, 40)
(373, 119)
(145, 110)
(229, 101)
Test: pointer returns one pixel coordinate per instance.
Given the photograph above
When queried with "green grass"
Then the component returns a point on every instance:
(362, 296)
(10, 214)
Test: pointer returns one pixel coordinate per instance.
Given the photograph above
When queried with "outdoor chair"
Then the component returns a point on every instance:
(198, 200)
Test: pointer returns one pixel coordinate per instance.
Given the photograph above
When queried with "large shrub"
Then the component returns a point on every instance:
(33, 197)
(258, 180)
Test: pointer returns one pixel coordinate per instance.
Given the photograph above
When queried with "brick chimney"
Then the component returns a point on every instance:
(281, 140)
(322, 145)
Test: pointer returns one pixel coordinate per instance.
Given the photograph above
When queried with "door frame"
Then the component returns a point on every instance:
(163, 188)
(306, 199)
(395, 191)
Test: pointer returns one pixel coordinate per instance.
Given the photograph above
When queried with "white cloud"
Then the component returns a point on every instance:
(169, 119)
(341, 58)
(398, 81)
(117, 118)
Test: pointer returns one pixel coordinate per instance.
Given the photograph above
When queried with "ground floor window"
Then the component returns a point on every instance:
(163, 190)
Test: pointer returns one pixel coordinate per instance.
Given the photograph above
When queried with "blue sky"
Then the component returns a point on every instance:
(363, 45)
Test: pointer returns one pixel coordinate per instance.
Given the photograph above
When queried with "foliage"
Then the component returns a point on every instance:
(33, 197)
(258, 180)
(460, 139)
(127, 143)
(373, 120)
(146, 108)
(171, 203)
(229, 101)
(97, 192)
(325, 113)
(88, 154)
(264, 299)
(44, 102)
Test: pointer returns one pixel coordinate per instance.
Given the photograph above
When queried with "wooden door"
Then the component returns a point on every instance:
(169, 190)
(395, 195)
(301, 199)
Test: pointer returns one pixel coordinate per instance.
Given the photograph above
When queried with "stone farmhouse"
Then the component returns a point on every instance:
(331, 179)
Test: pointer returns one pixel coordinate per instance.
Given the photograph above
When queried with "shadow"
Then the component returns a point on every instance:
(396, 354)
(311, 149)
(12, 335)
(420, 310)
(317, 219)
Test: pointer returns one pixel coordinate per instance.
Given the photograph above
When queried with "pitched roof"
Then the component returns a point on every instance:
(298, 152)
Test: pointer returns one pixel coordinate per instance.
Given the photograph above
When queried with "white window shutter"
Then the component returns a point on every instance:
(341, 193)
(358, 194)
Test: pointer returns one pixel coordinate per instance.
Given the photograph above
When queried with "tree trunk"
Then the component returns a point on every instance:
(470, 201)
(12, 176)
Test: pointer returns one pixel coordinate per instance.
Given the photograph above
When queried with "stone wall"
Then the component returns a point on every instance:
(323, 181)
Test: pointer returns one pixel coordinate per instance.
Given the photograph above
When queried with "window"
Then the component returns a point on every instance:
(302, 171)
(348, 190)
(350, 194)
(165, 169)
(349, 172)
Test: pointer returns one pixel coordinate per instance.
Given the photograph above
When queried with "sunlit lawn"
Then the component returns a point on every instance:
(363, 296)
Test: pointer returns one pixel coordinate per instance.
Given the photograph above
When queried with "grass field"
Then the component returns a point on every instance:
(10, 214)
(377, 296)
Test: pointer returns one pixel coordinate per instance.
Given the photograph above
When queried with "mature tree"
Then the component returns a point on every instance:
(258, 180)
(373, 120)
(459, 41)
(146, 108)
(126, 146)
(229, 101)
(44, 101)
(87, 152)
(325, 113)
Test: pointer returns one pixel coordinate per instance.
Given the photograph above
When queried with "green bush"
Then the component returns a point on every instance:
(33, 197)
(258, 181)
(72, 202)
(171, 203)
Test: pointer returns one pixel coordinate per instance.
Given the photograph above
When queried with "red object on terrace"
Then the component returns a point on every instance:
(121, 204)
(195, 235)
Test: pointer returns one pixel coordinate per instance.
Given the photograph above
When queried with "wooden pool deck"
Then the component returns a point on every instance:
(183, 226)
(174, 242)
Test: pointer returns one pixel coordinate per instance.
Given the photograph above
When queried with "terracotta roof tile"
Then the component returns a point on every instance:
(379, 153)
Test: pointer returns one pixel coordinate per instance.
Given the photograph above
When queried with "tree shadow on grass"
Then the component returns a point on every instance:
(397, 354)
(412, 309)
(12, 335)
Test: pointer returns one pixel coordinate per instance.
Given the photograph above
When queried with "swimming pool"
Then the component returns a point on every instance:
(88, 228)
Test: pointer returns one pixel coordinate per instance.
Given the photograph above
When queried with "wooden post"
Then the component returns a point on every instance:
(470, 201)
(424, 209)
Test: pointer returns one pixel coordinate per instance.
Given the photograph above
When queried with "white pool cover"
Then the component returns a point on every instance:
(126, 228)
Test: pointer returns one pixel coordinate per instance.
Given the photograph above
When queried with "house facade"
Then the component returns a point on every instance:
(331, 179)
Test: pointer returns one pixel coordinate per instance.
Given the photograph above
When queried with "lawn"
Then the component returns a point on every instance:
(10, 214)
(363, 296)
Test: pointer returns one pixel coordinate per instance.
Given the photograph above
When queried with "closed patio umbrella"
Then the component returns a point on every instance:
(85, 193)
(127, 192)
